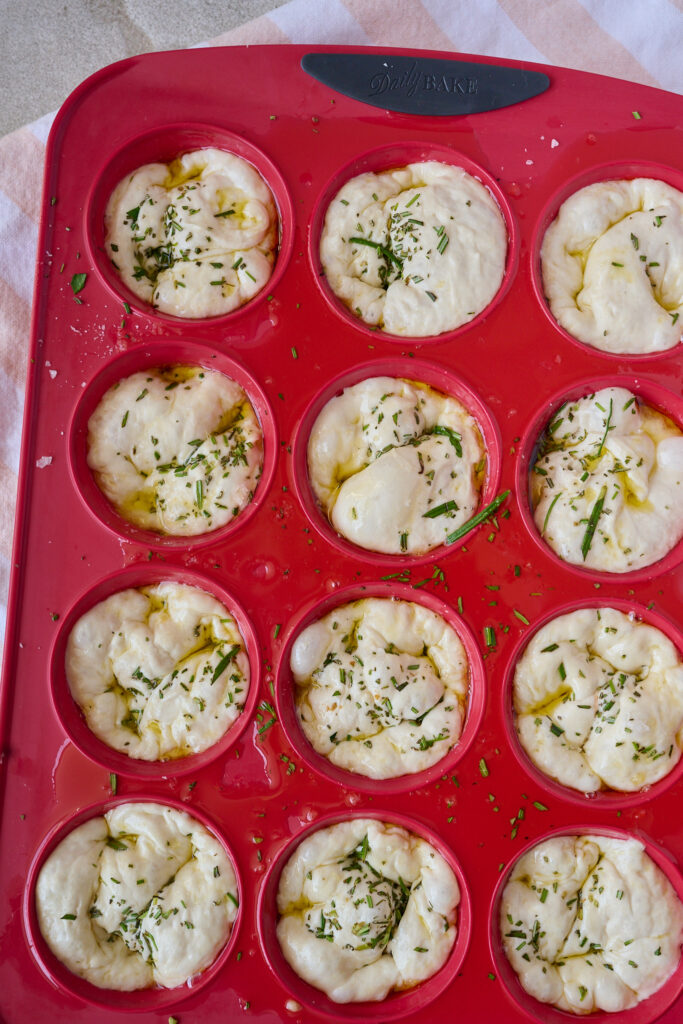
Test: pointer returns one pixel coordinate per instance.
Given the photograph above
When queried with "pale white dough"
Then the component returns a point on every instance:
(612, 264)
(437, 251)
(590, 923)
(141, 896)
(387, 454)
(381, 686)
(159, 672)
(366, 908)
(607, 484)
(177, 450)
(196, 237)
(598, 699)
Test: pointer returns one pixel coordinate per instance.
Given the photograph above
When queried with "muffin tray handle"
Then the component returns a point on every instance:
(424, 85)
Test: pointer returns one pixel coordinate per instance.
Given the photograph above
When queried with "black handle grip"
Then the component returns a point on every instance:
(424, 85)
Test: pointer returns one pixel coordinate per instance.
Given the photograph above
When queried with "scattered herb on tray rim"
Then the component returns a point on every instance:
(479, 518)
(264, 724)
(78, 283)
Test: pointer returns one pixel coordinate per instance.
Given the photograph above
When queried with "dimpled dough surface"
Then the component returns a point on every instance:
(612, 265)
(608, 482)
(590, 923)
(381, 687)
(598, 699)
(366, 908)
(159, 672)
(417, 250)
(195, 238)
(177, 451)
(396, 465)
(142, 896)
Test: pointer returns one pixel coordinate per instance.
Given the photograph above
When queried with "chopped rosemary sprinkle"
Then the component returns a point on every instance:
(607, 428)
(552, 506)
(78, 283)
(439, 510)
(476, 520)
(592, 524)
(453, 436)
(268, 707)
(381, 249)
(224, 662)
(115, 844)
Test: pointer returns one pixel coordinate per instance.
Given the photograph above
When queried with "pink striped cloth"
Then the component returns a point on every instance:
(640, 42)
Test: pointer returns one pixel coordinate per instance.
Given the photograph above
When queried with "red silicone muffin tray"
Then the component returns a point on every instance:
(292, 348)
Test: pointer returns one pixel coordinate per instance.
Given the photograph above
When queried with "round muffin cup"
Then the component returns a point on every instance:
(72, 718)
(544, 1013)
(396, 1004)
(285, 690)
(600, 173)
(438, 378)
(607, 799)
(387, 158)
(70, 984)
(649, 393)
(147, 357)
(163, 145)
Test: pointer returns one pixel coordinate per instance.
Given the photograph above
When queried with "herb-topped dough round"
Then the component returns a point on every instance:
(417, 250)
(598, 699)
(177, 450)
(366, 908)
(607, 484)
(590, 923)
(196, 237)
(381, 687)
(396, 465)
(142, 896)
(612, 264)
(159, 672)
